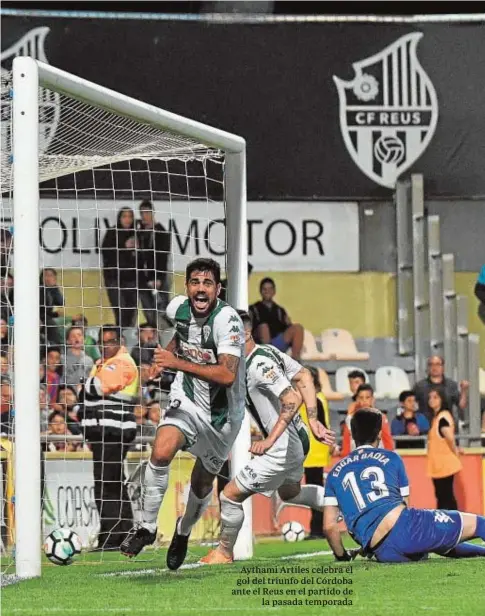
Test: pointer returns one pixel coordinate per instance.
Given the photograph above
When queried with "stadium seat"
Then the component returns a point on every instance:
(339, 344)
(342, 381)
(390, 382)
(481, 381)
(310, 351)
(327, 388)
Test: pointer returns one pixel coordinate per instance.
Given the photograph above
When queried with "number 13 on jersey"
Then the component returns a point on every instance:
(375, 476)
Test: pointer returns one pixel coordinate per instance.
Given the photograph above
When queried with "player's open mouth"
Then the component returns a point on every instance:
(201, 302)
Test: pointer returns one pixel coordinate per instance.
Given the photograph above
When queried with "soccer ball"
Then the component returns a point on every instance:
(292, 531)
(62, 545)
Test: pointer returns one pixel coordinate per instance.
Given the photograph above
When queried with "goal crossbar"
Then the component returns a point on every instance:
(93, 94)
(28, 76)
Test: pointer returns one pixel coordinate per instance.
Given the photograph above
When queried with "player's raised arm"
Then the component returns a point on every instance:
(304, 383)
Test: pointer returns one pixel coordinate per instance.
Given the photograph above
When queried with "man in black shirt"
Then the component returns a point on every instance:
(271, 323)
(456, 396)
(154, 246)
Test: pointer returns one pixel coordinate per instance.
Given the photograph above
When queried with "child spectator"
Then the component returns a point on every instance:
(364, 398)
(58, 427)
(409, 422)
(90, 344)
(443, 460)
(77, 365)
(67, 404)
(53, 373)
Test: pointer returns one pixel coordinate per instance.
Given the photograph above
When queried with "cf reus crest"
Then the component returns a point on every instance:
(389, 111)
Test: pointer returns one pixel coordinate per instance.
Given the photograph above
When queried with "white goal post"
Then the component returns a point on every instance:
(28, 76)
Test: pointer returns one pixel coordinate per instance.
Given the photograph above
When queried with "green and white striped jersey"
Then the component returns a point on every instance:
(268, 373)
(201, 341)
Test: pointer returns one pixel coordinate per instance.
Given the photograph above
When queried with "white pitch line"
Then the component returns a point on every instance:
(141, 572)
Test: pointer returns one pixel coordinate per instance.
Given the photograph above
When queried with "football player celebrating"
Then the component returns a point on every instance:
(278, 463)
(206, 404)
(370, 488)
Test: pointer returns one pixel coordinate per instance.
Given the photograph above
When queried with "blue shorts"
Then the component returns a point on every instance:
(280, 343)
(418, 532)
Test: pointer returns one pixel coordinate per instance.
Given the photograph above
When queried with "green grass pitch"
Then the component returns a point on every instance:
(121, 588)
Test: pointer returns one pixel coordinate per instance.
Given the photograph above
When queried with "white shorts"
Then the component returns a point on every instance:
(211, 446)
(270, 471)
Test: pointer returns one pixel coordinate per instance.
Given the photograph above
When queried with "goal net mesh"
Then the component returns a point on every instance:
(104, 260)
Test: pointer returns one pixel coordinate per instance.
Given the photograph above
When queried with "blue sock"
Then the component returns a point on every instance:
(480, 532)
(466, 550)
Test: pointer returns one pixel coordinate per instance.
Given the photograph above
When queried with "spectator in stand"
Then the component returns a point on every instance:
(364, 399)
(443, 460)
(120, 263)
(77, 365)
(147, 343)
(90, 344)
(318, 456)
(6, 405)
(480, 294)
(456, 396)
(409, 422)
(356, 379)
(50, 298)
(154, 246)
(271, 323)
(53, 373)
(67, 404)
(223, 293)
(58, 427)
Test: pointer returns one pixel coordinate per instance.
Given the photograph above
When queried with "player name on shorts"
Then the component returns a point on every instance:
(360, 455)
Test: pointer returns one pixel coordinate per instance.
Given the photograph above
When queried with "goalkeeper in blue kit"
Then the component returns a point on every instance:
(370, 489)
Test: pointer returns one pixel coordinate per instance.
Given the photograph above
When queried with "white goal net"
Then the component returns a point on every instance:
(125, 204)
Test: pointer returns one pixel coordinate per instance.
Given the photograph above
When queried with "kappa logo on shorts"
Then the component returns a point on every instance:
(389, 111)
(441, 516)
